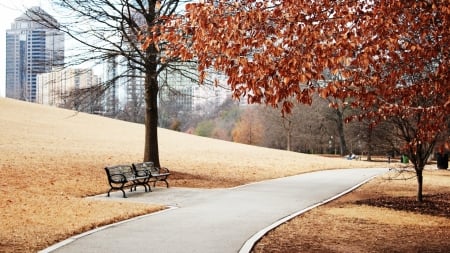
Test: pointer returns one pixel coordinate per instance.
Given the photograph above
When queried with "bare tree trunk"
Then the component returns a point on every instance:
(369, 156)
(250, 134)
(151, 151)
(288, 147)
(340, 126)
(288, 128)
(369, 144)
(419, 174)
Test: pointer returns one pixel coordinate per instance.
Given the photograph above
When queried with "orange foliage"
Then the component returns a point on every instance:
(249, 130)
(390, 57)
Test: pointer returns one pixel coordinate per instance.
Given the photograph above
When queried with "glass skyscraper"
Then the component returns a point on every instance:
(32, 47)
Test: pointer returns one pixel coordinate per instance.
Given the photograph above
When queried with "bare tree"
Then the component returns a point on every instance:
(84, 100)
(305, 129)
(118, 30)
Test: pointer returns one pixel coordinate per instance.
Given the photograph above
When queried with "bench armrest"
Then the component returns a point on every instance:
(142, 173)
(118, 178)
(164, 170)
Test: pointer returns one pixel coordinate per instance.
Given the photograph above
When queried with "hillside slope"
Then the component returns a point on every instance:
(45, 135)
(51, 158)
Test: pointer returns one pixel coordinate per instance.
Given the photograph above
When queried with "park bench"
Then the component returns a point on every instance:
(122, 176)
(156, 174)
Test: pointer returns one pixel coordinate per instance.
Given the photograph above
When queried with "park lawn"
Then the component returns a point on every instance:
(345, 225)
(51, 159)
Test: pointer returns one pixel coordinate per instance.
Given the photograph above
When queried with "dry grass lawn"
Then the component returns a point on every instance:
(50, 159)
(345, 226)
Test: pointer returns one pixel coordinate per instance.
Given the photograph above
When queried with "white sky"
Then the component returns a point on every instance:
(12, 9)
(9, 10)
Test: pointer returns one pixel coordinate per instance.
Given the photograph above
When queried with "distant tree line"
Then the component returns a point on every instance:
(315, 129)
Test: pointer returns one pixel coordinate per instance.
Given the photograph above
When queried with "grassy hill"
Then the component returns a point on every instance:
(56, 137)
(51, 158)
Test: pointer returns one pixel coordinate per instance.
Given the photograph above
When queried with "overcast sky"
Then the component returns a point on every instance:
(12, 9)
(9, 10)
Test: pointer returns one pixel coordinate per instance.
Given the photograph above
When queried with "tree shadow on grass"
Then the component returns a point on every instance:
(433, 204)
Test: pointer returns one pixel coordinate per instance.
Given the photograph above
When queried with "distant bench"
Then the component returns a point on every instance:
(123, 176)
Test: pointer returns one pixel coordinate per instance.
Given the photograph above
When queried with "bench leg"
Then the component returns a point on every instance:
(144, 183)
(167, 183)
(124, 195)
(149, 188)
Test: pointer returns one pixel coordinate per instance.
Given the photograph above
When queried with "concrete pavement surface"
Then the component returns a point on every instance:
(215, 220)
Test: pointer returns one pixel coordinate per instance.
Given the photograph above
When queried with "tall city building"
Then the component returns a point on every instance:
(179, 86)
(112, 79)
(32, 47)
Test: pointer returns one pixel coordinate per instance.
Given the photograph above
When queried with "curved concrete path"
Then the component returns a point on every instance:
(219, 220)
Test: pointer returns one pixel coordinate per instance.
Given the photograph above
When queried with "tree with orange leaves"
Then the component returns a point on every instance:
(393, 57)
(249, 129)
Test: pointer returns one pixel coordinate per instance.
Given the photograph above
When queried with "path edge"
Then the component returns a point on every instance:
(78, 236)
(250, 243)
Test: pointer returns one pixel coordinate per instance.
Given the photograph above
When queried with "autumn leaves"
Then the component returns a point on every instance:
(388, 58)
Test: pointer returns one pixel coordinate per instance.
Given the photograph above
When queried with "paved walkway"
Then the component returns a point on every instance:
(219, 220)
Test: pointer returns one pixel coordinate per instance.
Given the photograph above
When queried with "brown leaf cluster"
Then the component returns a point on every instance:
(390, 57)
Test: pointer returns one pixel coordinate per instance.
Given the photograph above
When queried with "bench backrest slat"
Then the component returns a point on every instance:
(143, 169)
(125, 170)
